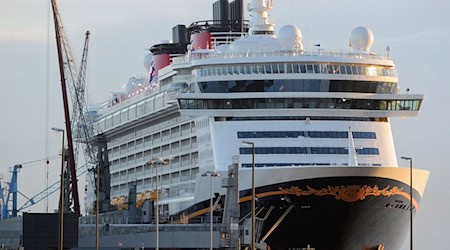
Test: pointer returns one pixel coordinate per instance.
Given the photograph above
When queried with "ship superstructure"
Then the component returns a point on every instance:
(324, 153)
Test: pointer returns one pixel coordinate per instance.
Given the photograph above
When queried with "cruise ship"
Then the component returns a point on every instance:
(313, 123)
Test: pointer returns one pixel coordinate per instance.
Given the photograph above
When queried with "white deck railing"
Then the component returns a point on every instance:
(293, 53)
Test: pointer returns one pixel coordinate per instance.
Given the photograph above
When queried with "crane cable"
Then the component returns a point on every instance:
(37, 162)
(47, 101)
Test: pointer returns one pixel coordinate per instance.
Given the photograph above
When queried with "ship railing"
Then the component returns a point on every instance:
(121, 217)
(172, 223)
(138, 94)
(289, 53)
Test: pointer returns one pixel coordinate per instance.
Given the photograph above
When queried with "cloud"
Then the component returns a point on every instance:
(23, 21)
(21, 35)
(432, 35)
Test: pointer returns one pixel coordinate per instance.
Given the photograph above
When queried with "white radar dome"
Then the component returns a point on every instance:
(361, 38)
(290, 37)
(148, 61)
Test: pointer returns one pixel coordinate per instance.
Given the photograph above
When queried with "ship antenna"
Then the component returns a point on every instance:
(352, 157)
(242, 17)
(260, 23)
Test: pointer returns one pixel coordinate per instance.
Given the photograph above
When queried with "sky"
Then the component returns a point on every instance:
(121, 31)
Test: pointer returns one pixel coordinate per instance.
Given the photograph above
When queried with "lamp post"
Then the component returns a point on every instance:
(211, 175)
(97, 205)
(410, 198)
(61, 203)
(158, 161)
(253, 193)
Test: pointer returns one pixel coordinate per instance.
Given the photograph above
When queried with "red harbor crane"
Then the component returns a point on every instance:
(73, 80)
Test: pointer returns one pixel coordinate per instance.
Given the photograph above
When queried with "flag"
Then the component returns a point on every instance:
(192, 46)
(151, 73)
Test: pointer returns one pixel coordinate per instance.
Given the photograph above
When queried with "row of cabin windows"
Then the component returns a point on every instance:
(131, 160)
(311, 134)
(129, 143)
(307, 150)
(262, 165)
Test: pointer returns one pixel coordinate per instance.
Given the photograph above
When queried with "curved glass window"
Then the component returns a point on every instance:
(301, 103)
(263, 32)
(298, 68)
(298, 85)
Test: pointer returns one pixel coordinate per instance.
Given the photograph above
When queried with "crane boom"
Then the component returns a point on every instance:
(67, 69)
(83, 120)
(2, 199)
(49, 191)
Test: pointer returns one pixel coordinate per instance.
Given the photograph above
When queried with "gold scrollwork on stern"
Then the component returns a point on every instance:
(349, 193)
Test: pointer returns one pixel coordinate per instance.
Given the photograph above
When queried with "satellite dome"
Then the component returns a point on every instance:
(290, 37)
(148, 61)
(361, 38)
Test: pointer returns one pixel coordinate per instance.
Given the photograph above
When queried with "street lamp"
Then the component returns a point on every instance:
(211, 175)
(410, 198)
(253, 193)
(61, 203)
(97, 206)
(158, 161)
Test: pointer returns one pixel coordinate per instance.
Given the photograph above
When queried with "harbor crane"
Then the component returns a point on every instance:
(73, 80)
(9, 206)
(67, 69)
(79, 125)
(11, 197)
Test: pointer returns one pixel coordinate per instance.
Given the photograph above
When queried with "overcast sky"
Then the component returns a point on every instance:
(122, 30)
